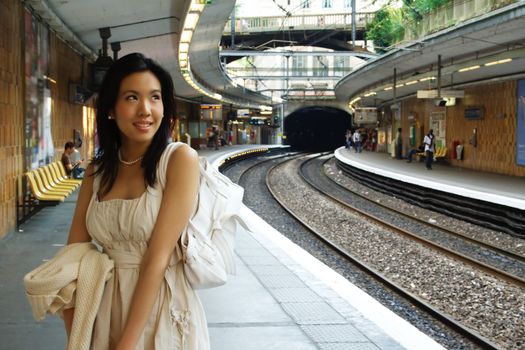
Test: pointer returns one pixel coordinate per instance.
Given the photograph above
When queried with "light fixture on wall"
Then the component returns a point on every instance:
(467, 69)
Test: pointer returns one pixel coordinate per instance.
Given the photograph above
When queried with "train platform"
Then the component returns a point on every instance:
(493, 188)
(280, 298)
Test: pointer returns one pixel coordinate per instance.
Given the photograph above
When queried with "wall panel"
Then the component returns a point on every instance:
(65, 67)
(11, 110)
(496, 131)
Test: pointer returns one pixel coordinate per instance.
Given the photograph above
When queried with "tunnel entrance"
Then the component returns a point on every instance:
(317, 129)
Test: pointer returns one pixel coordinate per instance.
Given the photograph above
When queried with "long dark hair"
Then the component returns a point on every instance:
(106, 158)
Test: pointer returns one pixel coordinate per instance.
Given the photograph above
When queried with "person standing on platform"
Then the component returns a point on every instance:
(356, 139)
(135, 201)
(429, 149)
(214, 136)
(398, 144)
(348, 138)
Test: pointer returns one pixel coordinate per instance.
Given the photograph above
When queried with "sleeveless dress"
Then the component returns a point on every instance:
(123, 228)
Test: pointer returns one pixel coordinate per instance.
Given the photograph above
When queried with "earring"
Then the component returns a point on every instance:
(110, 117)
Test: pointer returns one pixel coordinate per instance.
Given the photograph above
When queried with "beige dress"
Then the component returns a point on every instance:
(123, 228)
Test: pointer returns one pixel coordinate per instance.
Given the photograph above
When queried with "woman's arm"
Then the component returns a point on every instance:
(78, 232)
(178, 200)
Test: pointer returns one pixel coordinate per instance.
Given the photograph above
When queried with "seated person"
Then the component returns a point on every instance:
(72, 169)
(413, 151)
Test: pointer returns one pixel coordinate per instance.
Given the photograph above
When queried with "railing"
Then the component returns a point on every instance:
(301, 22)
(453, 13)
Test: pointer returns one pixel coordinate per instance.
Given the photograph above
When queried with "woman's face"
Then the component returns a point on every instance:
(139, 109)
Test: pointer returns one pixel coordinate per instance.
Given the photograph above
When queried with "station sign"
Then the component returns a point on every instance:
(211, 112)
(210, 106)
(365, 115)
(444, 93)
(243, 113)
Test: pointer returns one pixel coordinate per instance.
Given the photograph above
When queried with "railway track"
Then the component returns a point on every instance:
(467, 332)
(487, 257)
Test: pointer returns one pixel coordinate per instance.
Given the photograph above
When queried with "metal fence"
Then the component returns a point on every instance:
(300, 22)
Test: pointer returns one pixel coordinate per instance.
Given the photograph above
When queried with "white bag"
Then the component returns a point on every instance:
(208, 241)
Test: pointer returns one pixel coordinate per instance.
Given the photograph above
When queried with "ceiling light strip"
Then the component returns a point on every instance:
(190, 23)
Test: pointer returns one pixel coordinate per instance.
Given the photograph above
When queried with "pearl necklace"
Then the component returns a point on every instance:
(130, 162)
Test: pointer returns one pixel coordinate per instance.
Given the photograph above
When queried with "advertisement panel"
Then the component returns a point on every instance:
(39, 144)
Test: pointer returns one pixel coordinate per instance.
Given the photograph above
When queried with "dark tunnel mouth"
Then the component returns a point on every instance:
(317, 128)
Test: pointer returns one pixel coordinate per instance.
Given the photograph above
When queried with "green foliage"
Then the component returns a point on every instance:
(386, 28)
(416, 9)
(389, 24)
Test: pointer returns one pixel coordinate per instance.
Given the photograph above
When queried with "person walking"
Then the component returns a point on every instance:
(429, 149)
(356, 139)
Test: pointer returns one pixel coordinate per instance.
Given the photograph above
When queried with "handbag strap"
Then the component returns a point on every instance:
(164, 160)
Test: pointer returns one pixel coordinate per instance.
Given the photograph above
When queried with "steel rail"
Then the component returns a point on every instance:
(520, 282)
(472, 335)
(497, 249)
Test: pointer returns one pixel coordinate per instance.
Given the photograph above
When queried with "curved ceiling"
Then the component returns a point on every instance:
(152, 28)
(204, 55)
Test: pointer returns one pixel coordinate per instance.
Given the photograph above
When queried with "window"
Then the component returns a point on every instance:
(306, 4)
(327, 4)
(348, 4)
(299, 66)
(320, 66)
(340, 65)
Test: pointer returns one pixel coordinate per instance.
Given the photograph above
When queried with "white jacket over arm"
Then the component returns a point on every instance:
(75, 277)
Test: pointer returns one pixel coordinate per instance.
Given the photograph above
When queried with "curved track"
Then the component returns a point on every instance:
(251, 174)
(492, 259)
(472, 335)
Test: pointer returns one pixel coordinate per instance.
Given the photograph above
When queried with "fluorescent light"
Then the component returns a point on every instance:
(371, 94)
(196, 7)
(466, 69)
(388, 88)
(426, 79)
(186, 36)
(411, 82)
(400, 85)
(184, 47)
(191, 21)
(506, 60)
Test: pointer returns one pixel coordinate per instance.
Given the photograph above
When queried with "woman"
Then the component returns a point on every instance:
(135, 201)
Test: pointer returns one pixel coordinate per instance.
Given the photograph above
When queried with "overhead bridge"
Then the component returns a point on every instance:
(331, 31)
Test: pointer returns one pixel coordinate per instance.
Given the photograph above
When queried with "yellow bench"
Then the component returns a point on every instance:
(439, 154)
(50, 183)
